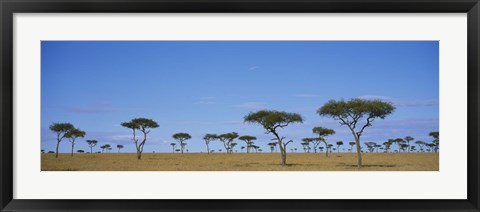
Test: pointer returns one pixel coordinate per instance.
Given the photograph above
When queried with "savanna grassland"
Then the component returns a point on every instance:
(240, 162)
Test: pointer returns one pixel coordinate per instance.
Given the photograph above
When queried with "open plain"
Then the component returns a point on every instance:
(240, 162)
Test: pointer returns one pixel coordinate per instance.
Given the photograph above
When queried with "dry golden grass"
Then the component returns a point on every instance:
(240, 162)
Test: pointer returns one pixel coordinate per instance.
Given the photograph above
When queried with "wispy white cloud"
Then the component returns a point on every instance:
(253, 68)
(403, 102)
(306, 95)
(251, 105)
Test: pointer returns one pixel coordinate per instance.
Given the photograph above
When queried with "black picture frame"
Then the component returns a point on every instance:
(9, 7)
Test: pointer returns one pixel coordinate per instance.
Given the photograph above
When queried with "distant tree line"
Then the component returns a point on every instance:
(355, 114)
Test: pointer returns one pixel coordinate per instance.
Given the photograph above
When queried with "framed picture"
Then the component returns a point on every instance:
(239, 105)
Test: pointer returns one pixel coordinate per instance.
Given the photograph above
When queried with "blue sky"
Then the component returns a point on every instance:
(203, 87)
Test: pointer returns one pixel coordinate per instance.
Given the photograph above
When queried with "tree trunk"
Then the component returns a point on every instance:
(208, 149)
(359, 153)
(283, 153)
(326, 148)
(58, 144)
(91, 150)
(72, 149)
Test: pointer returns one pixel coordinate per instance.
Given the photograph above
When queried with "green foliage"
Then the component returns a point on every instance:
(356, 108)
(228, 136)
(435, 135)
(75, 133)
(247, 138)
(308, 140)
(323, 132)
(61, 127)
(92, 142)
(351, 143)
(181, 136)
(272, 119)
(339, 143)
(119, 146)
(408, 138)
(140, 124)
(210, 137)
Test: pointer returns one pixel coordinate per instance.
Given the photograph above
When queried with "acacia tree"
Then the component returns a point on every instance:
(420, 144)
(60, 129)
(339, 143)
(314, 141)
(322, 134)
(143, 125)
(370, 146)
(408, 139)
(272, 146)
(91, 144)
(271, 121)
(74, 134)
(306, 144)
(436, 139)
(180, 138)
(227, 140)
(388, 144)
(173, 146)
(399, 142)
(356, 112)
(106, 146)
(248, 140)
(119, 147)
(351, 145)
(207, 138)
(103, 147)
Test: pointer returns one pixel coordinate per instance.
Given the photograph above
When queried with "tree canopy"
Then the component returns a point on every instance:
(61, 127)
(140, 123)
(75, 133)
(272, 119)
(354, 111)
(181, 136)
(247, 138)
(323, 132)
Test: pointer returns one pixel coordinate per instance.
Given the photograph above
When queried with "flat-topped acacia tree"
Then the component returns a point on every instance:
(60, 129)
(91, 144)
(208, 138)
(180, 138)
(271, 121)
(247, 139)
(143, 125)
(72, 135)
(119, 147)
(356, 113)
(322, 134)
(227, 140)
(436, 139)
(339, 143)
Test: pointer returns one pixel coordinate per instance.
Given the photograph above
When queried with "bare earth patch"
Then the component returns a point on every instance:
(240, 162)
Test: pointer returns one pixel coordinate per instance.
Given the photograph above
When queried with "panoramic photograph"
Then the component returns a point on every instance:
(239, 106)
